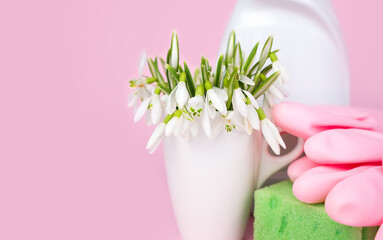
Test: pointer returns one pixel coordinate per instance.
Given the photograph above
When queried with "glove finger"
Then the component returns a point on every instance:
(357, 200)
(305, 121)
(300, 166)
(314, 185)
(345, 146)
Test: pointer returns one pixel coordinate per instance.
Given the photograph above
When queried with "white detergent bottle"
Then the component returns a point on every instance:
(312, 48)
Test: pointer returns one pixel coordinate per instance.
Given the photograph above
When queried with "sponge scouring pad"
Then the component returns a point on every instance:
(279, 215)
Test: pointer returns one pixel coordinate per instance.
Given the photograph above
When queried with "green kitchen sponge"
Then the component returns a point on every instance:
(279, 215)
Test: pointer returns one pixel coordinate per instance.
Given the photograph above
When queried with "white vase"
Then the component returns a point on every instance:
(312, 48)
(212, 181)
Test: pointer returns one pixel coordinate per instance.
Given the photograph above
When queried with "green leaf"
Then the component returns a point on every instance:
(151, 67)
(189, 80)
(250, 58)
(174, 52)
(238, 56)
(230, 48)
(197, 76)
(253, 70)
(218, 71)
(265, 52)
(163, 86)
(230, 89)
(267, 69)
(174, 75)
(265, 85)
(163, 64)
(158, 73)
(205, 77)
(167, 71)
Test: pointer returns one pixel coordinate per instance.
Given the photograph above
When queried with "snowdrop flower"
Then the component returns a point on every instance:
(275, 93)
(277, 66)
(154, 104)
(252, 117)
(174, 52)
(157, 135)
(179, 96)
(242, 77)
(271, 133)
(196, 104)
(172, 124)
(240, 100)
(216, 97)
(142, 89)
(200, 109)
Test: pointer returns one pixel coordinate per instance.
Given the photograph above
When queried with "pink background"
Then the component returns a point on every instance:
(73, 163)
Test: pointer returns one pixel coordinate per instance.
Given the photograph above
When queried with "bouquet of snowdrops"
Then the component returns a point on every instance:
(227, 98)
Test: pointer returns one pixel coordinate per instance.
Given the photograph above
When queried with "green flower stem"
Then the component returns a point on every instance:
(262, 77)
(167, 118)
(273, 57)
(200, 90)
(208, 85)
(182, 77)
(157, 91)
(178, 113)
(261, 114)
(150, 80)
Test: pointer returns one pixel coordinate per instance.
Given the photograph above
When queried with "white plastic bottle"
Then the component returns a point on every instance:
(312, 48)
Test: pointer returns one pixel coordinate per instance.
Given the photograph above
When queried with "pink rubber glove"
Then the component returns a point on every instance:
(305, 121)
(316, 177)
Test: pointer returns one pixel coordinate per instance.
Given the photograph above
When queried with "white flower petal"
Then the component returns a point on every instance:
(266, 109)
(218, 125)
(195, 102)
(270, 99)
(239, 102)
(205, 122)
(141, 63)
(285, 76)
(269, 137)
(171, 103)
(276, 66)
(253, 117)
(171, 126)
(185, 126)
(246, 80)
(132, 99)
(156, 109)
(182, 94)
(276, 133)
(174, 52)
(177, 130)
(194, 128)
(148, 118)
(157, 134)
(141, 110)
(238, 121)
(276, 93)
(253, 101)
(209, 109)
(282, 89)
(155, 146)
(217, 102)
(248, 127)
(230, 114)
(222, 93)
